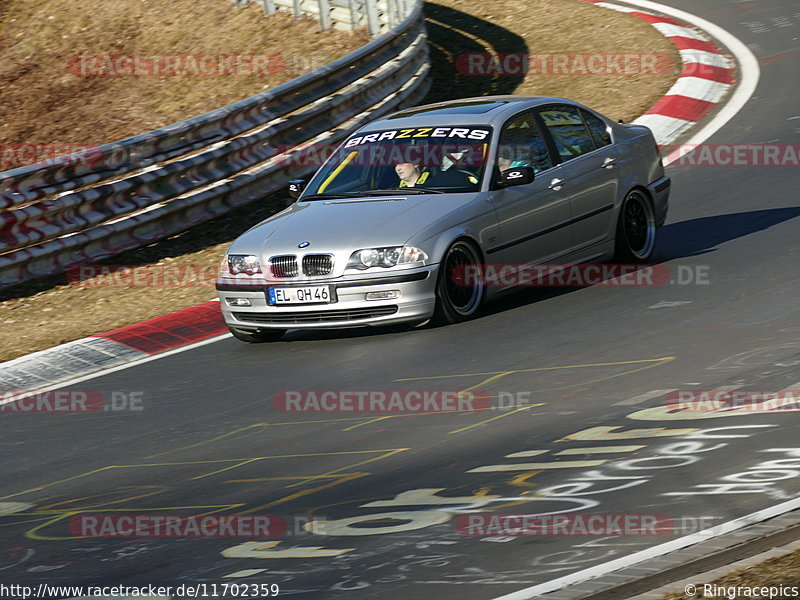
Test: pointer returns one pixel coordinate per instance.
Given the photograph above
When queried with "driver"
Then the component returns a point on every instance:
(410, 174)
(507, 159)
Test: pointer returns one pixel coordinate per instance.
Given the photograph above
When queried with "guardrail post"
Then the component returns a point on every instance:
(324, 15)
(351, 4)
(296, 12)
(268, 6)
(372, 17)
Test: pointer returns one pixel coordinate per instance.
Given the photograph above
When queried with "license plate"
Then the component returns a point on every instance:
(314, 294)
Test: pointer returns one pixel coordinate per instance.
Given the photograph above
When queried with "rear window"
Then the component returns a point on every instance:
(597, 128)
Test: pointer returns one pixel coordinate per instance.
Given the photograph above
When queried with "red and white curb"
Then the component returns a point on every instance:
(706, 78)
(112, 349)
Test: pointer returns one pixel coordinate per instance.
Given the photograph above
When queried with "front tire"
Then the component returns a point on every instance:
(258, 336)
(636, 229)
(458, 297)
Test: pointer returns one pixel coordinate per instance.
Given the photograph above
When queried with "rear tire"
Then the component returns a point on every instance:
(636, 229)
(458, 301)
(258, 336)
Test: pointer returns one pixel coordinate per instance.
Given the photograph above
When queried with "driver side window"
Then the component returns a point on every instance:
(522, 145)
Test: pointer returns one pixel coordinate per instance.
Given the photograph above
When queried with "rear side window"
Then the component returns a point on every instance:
(570, 134)
(522, 145)
(597, 128)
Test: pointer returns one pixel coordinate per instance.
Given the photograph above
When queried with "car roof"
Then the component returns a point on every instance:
(480, 110)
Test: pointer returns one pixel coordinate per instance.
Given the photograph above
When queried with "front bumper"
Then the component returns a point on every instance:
(350, 309)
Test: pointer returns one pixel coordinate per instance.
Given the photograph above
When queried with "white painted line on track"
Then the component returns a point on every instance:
(246, 573)
(626, 561)
(643, 397)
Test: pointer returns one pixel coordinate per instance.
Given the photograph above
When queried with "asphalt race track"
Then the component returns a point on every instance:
(210, 440)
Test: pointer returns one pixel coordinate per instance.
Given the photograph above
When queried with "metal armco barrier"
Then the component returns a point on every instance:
(376, 15)
(116, 197)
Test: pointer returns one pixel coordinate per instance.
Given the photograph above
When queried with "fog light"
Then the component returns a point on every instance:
(238, 301)
(383, 295)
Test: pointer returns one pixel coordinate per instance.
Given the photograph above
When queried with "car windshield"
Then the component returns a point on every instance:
(415, 160)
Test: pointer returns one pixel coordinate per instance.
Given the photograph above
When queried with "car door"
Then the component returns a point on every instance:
(587, 172)
(532, 218)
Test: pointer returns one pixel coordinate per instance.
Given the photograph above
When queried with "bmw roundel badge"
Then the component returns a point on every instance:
(303, 244)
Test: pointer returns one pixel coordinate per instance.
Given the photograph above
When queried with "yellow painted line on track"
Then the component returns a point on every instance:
(241, 463)
(650, 363)
(484, 422)
(486, 381)
(35, 535)
(368, 422)
(387, 454)
(254, 425)
(211, 441)
(238, 461)
(341, 478)
(582, 366)
(418, 414)
(53, 508)
(522, 480)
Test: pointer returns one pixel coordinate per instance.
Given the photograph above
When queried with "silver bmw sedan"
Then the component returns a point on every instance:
(401, 222)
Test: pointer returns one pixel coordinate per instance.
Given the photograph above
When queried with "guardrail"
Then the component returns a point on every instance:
(116, 197)
(376, 15)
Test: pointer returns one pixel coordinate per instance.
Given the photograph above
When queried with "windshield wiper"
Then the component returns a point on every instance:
(329, 196)
(404, 190)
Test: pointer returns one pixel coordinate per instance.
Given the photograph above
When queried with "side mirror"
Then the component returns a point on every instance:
(516, 176)
(296, 187)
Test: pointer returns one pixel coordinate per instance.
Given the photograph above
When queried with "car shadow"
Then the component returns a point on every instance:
(452, 36)
(705, 234)
(682, 239)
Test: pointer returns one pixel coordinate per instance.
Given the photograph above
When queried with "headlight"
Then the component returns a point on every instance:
(243, 263)
(385, 257)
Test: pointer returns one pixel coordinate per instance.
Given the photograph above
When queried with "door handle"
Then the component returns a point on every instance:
(608, 163)
(556, 184)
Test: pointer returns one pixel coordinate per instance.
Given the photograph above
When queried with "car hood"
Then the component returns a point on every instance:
(347, 224)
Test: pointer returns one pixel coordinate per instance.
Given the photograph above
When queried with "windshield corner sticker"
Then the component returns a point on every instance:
(464, 133)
